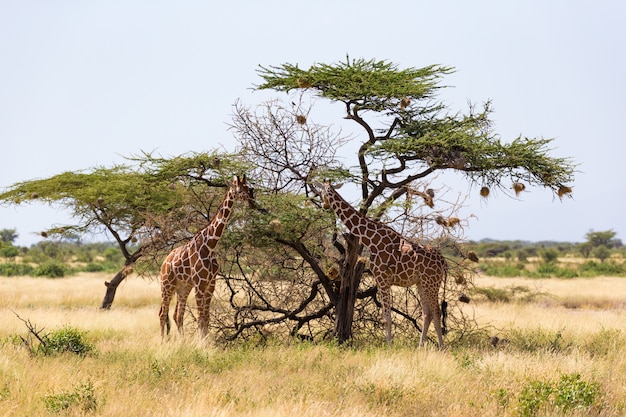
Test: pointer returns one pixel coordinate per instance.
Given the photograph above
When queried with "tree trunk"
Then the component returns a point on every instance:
(112, 285)
(351, 273)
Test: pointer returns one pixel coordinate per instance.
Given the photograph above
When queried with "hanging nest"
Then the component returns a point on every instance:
(427, 196)
(484, 192)
(301, 119)
(303, 83)
(453, 221)
(471, 255)
(518, 187)
(460, 280)
(216, 162)
(564, 190)
(276, 225)
(332, 273)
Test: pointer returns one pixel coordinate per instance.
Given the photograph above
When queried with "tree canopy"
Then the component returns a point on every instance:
(407, 135)
(420, 136)
(146, 205)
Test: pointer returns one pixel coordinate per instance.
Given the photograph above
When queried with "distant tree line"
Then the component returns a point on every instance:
(56, 258)
(600, 254)
(68, 256)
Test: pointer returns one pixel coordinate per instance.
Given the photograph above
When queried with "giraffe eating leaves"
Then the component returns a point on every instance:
(194, 265)
(395, 261)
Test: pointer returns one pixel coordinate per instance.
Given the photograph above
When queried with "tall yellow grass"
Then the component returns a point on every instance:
(134, 373)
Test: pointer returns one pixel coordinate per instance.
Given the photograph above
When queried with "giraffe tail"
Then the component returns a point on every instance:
(444, 316)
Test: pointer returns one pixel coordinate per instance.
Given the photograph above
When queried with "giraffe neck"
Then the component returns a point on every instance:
(356, 222)
(212, 233)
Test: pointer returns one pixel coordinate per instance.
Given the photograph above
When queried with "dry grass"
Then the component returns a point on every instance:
(134, 374)
(581, 305)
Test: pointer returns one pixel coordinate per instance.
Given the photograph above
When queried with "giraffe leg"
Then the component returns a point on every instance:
(437, 323)
(164, 316)
(203, 300)
(427, 317)
(181, 305)
(166, 280)
(431, 313)
(385, 299)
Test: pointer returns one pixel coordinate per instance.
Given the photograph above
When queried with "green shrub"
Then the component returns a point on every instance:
(67, 339)
(9, 251)
(504, 270)
(547, 269)
(82, 396)
(569, 393)
(592, 269)
(12, 269)
(51, 269)
(534, 396)
(572, 392)
(94, 267)
(102, 267)
(566, 273)
(549, 255)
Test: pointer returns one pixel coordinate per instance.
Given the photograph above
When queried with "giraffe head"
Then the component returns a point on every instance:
(324, 190)
(240, 191)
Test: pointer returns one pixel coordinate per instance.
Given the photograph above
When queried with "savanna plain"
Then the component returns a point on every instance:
(560, 351)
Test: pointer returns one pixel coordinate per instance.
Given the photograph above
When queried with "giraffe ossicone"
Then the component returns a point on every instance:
(395, 261)
(194, 265)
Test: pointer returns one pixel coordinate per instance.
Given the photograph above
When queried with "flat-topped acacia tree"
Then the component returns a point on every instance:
(145, 207)
(406, 137)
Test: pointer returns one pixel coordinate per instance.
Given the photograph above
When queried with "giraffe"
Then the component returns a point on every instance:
(194, 265)
(395, 261)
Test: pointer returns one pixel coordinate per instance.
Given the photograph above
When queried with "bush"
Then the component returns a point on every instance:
(533, 397)
(549, 255)
(9, 252)
(572, 392)
(592, 269)
(569, 393)
(82, 396)
(94, 267)
(547, 269)
(566, 273)
(51, 269)
(12, 269)
(67, 339)
(506, 270)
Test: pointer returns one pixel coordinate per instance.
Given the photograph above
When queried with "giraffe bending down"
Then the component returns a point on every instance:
(194, 265)
(395, 261)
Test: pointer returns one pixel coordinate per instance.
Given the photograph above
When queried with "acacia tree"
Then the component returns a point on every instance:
(406, 137)
(146, 207)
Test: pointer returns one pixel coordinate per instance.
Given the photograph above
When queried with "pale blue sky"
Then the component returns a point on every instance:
(84, 83)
